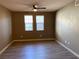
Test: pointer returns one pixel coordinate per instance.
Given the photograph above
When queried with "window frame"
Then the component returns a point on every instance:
(43, 23)
(25, 24)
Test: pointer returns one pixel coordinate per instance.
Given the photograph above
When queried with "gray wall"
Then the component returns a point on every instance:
(5, 27)
(67, 26)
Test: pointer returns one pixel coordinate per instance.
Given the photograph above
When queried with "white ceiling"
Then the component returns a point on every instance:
(26, 5)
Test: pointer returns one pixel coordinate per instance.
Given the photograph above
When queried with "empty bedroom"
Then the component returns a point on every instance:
(39, 29)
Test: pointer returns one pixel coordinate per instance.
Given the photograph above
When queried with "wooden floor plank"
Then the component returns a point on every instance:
(37, 50)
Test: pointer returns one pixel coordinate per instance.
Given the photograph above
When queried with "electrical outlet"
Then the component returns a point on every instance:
(40, 35)
(65, 41)
(21, 36)
(68, 43)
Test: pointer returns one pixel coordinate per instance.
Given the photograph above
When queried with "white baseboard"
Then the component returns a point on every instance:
(74, 53)
(6, 47)
(19, 40)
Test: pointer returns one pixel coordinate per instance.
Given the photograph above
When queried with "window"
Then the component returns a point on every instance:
(39, 22)
(28, 19)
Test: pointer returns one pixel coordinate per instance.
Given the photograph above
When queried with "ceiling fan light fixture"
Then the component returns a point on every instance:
(36, 6)
(34, 10)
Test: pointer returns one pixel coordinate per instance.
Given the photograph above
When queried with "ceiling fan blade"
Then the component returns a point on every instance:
(41, 8)
(36, 7)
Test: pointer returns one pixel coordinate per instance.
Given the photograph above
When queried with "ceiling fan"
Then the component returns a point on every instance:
(36, 7)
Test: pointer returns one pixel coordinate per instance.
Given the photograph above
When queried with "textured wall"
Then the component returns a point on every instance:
(67, 26)
(5, 27)
(19, 30)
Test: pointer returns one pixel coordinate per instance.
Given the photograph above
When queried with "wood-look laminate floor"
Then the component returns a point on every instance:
(37, 50)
